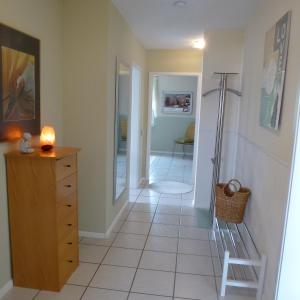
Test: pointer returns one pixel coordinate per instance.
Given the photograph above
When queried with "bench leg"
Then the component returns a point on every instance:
(261, 277)
(225, 273)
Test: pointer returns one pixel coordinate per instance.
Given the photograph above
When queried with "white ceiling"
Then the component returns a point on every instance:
(159, 24)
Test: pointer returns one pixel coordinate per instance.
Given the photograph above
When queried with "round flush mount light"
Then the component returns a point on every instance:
(179, 3)
(199, 44)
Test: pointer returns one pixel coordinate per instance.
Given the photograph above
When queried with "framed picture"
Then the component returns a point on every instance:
(19, 84)
(177, 103)
(274, 72)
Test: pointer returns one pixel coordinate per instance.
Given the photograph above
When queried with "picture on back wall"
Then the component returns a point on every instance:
(274, 72)
(19, 84)
(177, 103)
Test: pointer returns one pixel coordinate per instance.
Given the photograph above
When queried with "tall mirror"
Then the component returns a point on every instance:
(122, 107)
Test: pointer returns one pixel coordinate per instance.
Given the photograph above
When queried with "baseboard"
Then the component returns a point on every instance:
(92, 235)
(116, 219)
(171, 153)
(6, 288)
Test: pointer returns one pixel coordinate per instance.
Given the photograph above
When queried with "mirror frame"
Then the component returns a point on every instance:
(116, 129)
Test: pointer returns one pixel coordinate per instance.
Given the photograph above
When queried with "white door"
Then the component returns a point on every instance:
(135, 141)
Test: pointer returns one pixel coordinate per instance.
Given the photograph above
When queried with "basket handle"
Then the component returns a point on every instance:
(234, 183)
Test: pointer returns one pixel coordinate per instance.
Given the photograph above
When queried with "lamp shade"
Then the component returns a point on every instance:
(47, 138)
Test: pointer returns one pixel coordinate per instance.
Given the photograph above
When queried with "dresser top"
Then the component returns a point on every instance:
(56, 153)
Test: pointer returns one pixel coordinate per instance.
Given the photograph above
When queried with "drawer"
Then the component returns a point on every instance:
(66, 208)
(66, 187)
(68, 246)
(66, 225)
(67, 266)
(66, 166)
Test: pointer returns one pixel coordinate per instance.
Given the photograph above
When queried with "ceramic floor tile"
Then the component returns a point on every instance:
(164, 230)
(164, 244)
(189, 221)
(166, 219)
(134, 192)
(135, 228)
(170, 201)
(175, 196)
(168, 209)
(17, 293)
(196, 247)
(137, 216)
(135, 296)
(188, 203)
(189, 211)
(113, 278)
(91, 253)
(144, 207)
(132, 199)
(132, 241)
(187, 232)
(102, 294)
(217, 266)
(153, 282)
(98, 242)
(122, 257)
(195, 264)
(83, 274)
(158, 261)
(149, 193)
(195, 287)
(188, 196)
(151, 200)
(68, 292)
(214, 249)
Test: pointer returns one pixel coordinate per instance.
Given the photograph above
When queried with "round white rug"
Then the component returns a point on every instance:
(171, 187)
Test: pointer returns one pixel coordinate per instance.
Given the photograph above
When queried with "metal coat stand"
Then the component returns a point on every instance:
(240, 268)
(216, 160)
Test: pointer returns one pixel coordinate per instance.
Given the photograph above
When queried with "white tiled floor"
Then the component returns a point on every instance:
(156, 252)
(168, 168)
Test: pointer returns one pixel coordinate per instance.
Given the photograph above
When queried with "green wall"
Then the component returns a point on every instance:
(166, 130)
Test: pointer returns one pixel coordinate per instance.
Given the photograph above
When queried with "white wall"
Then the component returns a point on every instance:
(85, 102)
(223, 53)
(264, 156)
(43, 20)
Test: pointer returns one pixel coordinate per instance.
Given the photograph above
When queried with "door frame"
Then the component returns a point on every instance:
(289, 262)
(135, 129)
(197, 120)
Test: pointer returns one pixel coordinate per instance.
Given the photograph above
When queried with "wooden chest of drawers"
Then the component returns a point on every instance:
(42, 196)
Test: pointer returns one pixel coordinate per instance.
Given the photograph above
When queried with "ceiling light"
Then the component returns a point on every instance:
(199, 44)
(180, 3)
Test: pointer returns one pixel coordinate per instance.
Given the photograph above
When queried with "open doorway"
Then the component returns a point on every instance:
(172, 146)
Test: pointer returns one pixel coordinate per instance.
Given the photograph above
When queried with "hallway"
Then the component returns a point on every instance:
(160, 249)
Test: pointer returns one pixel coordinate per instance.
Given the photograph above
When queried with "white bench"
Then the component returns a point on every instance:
(243, 265)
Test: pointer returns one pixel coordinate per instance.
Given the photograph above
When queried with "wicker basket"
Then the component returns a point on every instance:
(231, 205)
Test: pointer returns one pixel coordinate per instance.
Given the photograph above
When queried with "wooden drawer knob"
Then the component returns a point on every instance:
(70, 243)
(68, 185)
(68, 205)
(68, 166)
(70, 224)
(70, 261)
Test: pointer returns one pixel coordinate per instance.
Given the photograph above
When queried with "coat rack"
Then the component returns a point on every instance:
(233, 250)
(216, 160)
